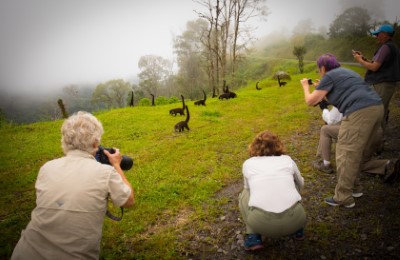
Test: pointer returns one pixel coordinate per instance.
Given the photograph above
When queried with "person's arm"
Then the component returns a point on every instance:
(381, 55)
(369, 65)
(313, 98)
(298, 179)
(115, 160)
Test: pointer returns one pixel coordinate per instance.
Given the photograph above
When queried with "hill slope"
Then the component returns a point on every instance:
(176, 176)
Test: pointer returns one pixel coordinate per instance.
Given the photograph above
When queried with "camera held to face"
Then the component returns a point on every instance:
(126, 162)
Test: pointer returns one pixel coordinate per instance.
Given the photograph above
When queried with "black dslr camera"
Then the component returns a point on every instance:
(101, 157)
(310, 82)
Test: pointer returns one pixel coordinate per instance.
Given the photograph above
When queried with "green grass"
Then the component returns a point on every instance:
(175, 175)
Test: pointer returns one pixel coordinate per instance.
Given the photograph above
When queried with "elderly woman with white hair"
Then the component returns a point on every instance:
(72, 194)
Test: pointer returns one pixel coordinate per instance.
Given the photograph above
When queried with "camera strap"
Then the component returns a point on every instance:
(116, 218)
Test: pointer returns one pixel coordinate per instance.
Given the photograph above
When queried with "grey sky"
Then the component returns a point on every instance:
(52, 43)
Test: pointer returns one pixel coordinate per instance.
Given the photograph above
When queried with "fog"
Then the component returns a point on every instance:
(46, 44)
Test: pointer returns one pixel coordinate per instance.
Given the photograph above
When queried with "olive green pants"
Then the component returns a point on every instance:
(271, 224)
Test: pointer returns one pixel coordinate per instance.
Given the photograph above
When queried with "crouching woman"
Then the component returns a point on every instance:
(270, 201)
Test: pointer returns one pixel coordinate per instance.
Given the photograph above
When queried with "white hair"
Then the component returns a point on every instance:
(80, 132)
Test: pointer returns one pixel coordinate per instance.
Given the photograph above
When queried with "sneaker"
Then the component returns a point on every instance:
(392, 170)
(253, 242)
(332, 202)
(319, 165)
(299, 235)
(357, 194)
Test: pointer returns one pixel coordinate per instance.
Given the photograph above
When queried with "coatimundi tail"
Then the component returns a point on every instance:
(180, 126)
(257, 86)
(179, 110)
(131, 103)
(203, 101)
(152, 100)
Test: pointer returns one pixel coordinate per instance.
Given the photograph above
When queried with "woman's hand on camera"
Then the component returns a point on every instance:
(114, 158)
(304, 82)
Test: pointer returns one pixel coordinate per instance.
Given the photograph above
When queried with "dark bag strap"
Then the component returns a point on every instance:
(116, 218)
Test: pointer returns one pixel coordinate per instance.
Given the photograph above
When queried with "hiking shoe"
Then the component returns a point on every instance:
(392, 171)
(320, 166)
(357, 194)
(332, 202)
(299, 235)
(253, 242)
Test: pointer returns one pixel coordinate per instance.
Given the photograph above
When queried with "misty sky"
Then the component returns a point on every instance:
(48, 44)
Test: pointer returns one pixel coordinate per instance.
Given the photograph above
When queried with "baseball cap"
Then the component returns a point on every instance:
(387, 28)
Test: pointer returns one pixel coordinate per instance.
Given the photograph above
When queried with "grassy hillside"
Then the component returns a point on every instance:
(174, 174)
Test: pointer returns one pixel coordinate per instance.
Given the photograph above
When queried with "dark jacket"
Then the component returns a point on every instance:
(389, 70)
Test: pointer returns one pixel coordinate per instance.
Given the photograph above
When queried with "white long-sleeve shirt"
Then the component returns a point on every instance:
(272, 182)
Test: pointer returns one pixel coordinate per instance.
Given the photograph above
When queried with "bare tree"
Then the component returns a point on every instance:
(225, 34)
(188, 47)
(244, 10)
(212, 41)
(223, 17)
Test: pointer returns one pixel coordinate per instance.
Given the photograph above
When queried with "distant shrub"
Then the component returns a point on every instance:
(174, 99)
(145, 102)
(310, 67)
(160, 100)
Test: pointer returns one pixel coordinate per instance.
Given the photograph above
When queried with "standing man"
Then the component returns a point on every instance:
(383, 71)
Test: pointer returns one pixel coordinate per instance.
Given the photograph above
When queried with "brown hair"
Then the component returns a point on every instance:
(266, 144)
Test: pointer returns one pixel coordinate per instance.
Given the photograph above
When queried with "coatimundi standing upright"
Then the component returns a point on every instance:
(180, 126)
(179, 110)
(202, 101)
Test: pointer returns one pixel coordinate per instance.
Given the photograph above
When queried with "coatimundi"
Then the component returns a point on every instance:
(228, 94)
(202, 101)
(179, 110)
(180, 126)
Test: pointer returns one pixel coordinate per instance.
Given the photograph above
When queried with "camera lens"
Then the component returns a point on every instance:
(126, 163)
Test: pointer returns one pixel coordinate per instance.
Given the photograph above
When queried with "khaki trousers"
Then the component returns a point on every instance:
(385, 90)
(271, 224)
(329, 134)
(354, 146)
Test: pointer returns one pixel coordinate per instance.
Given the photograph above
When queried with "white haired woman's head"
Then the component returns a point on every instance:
(81, 131)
